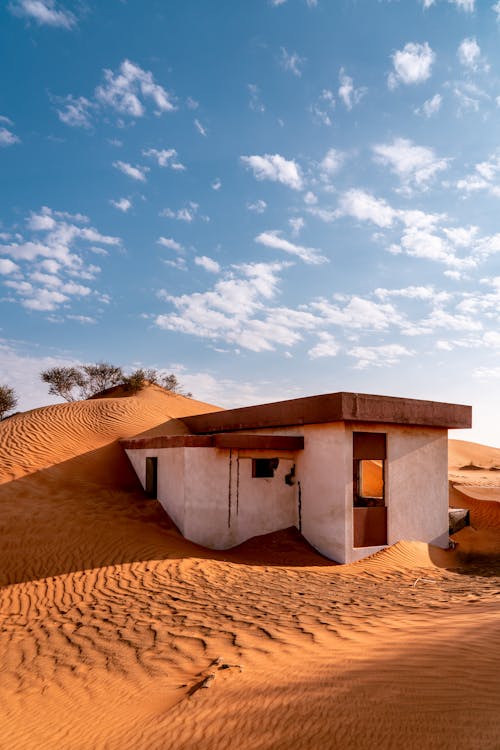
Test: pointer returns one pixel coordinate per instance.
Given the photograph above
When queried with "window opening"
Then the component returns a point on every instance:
(264, 468)
(369, 511)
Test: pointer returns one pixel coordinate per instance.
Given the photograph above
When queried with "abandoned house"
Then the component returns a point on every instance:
(353, 472)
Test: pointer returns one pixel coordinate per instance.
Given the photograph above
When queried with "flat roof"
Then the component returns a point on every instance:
(333, 407)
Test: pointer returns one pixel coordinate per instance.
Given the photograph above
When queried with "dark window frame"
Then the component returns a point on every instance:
(264, 468)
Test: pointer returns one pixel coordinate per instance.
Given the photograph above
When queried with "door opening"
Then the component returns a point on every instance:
(151, 487)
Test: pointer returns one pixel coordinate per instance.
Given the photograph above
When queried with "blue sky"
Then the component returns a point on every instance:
(271, 198)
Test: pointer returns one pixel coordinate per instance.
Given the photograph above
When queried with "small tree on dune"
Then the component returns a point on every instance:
(8, 400)
(74, 383)
(63, 381)
(98, 377)
(171, 383)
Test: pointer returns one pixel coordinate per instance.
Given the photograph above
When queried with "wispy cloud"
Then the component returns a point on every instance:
(348, 94)
(258, 206)
(414, 165)
(136, 173)
(187, 213)
(169, 243)
(43, 12)
(274, 240)
(75, 111)
(7, 137)
(255, 102)
(122, 204)
(164, 158)
(200, 128)
(209, 264)
(291, 62)
(431, 106)
(276, 168)
(379, 356)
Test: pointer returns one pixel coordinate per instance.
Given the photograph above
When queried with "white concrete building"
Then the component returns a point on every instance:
(352, 472)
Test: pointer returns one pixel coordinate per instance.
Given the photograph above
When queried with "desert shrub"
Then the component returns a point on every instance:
(8, 400)
(63, 382)
(98, 377)
(74, 383)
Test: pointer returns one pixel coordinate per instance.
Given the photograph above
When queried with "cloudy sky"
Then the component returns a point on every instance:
(271, 198)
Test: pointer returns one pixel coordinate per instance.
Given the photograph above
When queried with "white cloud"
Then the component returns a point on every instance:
(496, 9)
(347, 92)
(200, 128)
(326, 346)
(234, 310)
(125, 91)
(465, 5)
(170, 243)
(469, 54)
(123, 204)
(258, 206)
(76, 112)
(49, 260)
(297, 223)
(469, 96)
(412, 64)
(188, 213)
(332, 161)
(276, 168)
(209, 264)
(424, 293)
(216, 184)
(379, 356)
(7, 266)
(358, 313)
(441, 319)
(7, 137)
(43, 12)
(364, 206)
(310, 199)
(484, 177)
(274, 240)
(136, 173)
(164, 158)
(255, 102)
(431, 106)
(178, 263)
(291, 61)
(414, 165)
(323, 108)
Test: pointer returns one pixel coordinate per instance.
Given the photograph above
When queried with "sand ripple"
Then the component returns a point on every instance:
(117, 633)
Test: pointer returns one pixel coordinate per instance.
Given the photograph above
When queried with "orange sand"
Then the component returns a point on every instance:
(118, 633)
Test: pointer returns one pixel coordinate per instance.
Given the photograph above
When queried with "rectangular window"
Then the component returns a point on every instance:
(264, 467)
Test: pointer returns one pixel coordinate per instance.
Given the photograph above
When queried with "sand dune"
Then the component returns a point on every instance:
(118, 633)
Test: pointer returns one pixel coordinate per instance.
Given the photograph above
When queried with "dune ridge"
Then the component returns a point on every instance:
(118, 633)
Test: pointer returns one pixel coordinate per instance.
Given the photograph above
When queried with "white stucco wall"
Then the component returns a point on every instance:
(213, 499)
(171, 479)
(225, 505)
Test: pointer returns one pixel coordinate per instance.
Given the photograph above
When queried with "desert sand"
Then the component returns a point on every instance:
(118, 633)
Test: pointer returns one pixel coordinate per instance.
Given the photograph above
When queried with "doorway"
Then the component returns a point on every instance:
(151, 486)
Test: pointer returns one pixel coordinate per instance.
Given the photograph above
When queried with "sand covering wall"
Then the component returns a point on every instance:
(118, 633)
